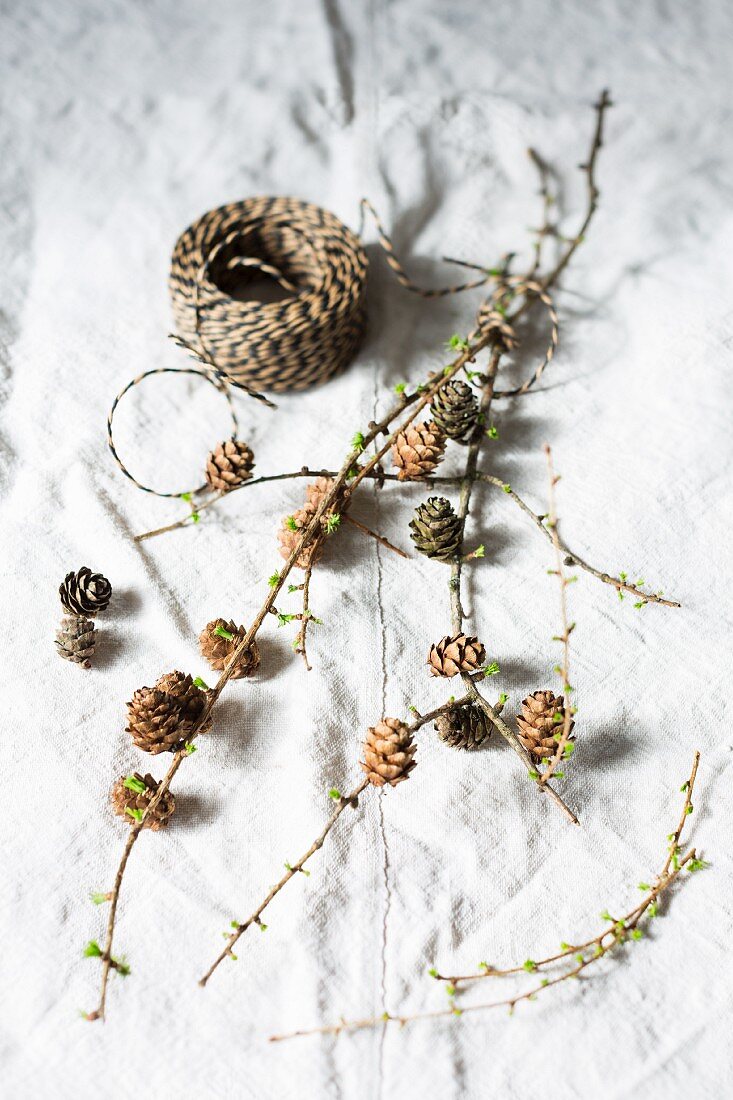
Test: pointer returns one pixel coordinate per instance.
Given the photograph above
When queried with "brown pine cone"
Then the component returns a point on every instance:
(229, 465)
(163, 718)
(388, 752)
(455, 410)
(461, 653)
(75, 640)
(436, 530)
(219, 639)
(292, 526)
(541, 723)
(290, 532)
(131, 795)
(85, 593)
(463, 727)
(418, 450)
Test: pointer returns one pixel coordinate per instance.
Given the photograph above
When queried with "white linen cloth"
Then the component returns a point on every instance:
(123, 122)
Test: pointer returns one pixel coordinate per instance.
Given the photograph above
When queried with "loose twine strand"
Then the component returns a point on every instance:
(316, 330)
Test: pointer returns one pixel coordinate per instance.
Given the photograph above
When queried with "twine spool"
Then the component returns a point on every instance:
(320, 264)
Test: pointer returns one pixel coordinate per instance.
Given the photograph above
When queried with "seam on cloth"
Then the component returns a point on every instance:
(382, 829)
(343, 51)
(372, 105)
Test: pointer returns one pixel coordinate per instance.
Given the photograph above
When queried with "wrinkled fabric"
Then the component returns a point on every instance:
(121, 124)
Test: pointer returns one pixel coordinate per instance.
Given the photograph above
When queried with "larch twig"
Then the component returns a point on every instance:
(373, 534)
(345, 483)
(571, 557)
(619, 931)
(567, 627)
(312, 531)
(239, 928)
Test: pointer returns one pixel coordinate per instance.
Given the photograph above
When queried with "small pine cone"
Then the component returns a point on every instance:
(458, 654)
(418, 450)
(292, 526)
(455, 410)
(217, 648)
(436, 530)
(229, 465)
(162, 718)
(131, 795)
(463, 727)
(75, 640)
(290, 532)
(85, 593)
(540, 722)
(388, 752)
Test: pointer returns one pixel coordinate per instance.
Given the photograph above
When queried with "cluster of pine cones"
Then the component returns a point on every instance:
(540, 725)
(162, 718)
(464, 727)
(83, 594)
(417, 451)
(435, 529)
(167, 716)
(389, 749)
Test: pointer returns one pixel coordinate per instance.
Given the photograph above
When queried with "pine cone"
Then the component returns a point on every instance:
(458, 654)
(538, 725)
(388, 752)
(85, 593)
(455, 410)
(292, 526)
(463, 727)
(290, 532)
(436, 530)
(217, 648)
(418, 450)
(75, 640)
(229, 465)
(162, 718)
(134, 793)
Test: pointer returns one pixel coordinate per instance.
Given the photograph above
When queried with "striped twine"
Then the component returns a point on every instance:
(314, 332)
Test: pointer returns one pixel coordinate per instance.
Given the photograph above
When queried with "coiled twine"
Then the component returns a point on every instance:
(307, 337)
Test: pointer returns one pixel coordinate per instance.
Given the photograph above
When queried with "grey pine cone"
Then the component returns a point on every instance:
(455, 410)
(75, 640)
(463, 727)
(436, 530)
(85, 593)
